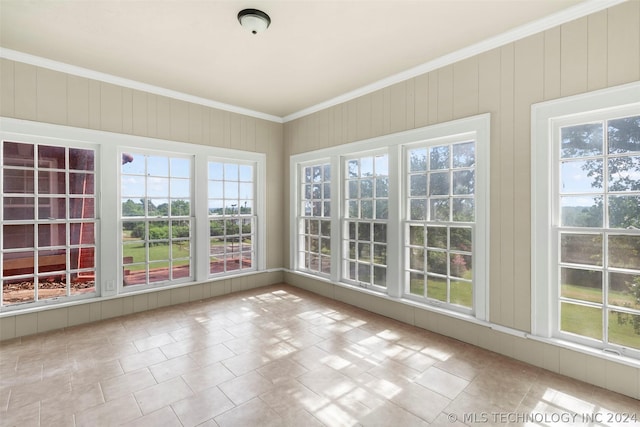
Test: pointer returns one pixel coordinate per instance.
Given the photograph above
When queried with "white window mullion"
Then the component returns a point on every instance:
(200, 222)
(337, 216)
(394, 226)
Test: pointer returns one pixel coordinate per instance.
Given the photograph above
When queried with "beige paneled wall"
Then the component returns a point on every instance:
(39, 94)
(590, 53)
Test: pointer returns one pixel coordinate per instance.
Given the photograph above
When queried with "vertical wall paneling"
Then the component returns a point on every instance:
(139, 111)
(25, 91)
(111, 108)
(445, 93)
(552, 63)
(398, 103)
(489, 101)
(7, 87)
(573, 50)
(337, 137)
(152, 115)
(421, 102)
(597, 51)
(195, 124)
(95, 107)
(351, 112)
(163, 117)
(410, 101)
(234, 130)
(529, 89)
(77, 102)
(507, 188)
(179, 121)
(51, 90)
(364, 128)
(433, 97)
(322, 122)
(465, 88)
(127, 110)
(623, 56)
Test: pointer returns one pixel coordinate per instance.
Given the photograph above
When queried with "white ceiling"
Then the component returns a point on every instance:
(313, 51)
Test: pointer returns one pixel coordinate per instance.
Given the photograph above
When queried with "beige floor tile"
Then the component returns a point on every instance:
(143, 359)
(164, 417)
(114, 412)
(173, 367)
(252, 413)
(442, 382)
(197, 409)
(246, 387)
(275, 356)
(155, 397)
(208, 376)
(128, 383)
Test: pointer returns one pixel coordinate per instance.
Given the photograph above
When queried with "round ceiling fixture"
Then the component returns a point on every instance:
(254, 20)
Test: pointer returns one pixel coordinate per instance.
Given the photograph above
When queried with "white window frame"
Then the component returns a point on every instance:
(44, 141)
(253, 217)
(546, 120)
(108, 212)
(475, 127)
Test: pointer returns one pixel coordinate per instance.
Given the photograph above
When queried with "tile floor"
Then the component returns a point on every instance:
(278, 356)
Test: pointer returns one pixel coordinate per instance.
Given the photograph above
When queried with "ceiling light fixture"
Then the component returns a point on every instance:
(254, 20)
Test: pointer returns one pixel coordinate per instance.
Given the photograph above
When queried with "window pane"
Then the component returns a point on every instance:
(53, 260)
(416, 235)
(461, 293)
(180, 269)
(581, 320)
(439, 209)
(52, 235)
(180, 168)
(624, 212)
(580, 211)
(460, 266)
(418, 185)
(82, 258)
(18, 263)
(17, 154)
(463, 210)
(416, 284)
(18, 291)
(51, 157)
(180, 187)
(83, 208)
(437, 237)
(132, 186)
(81, 183)
(157, 187)
(464, 155)
(80, 159)
(418, 160)
(463, 182)
(624, 290)
(437, 262)
(418, 209)
(584, 285)
(460, 239)
(439, 184)
(624, 252)
(18, 181)
(624, 329)
(82, 234)
(581, 176)
(158, 272)
(380, 233)
(18, 208)
(51, 182)
(416, 259)
(624, 135)
(18, 236)
(379, 276)
(581, 248)
(53, 286)
(581, 140)
(439, 157)
(157, 166)
(437, 288)
(624, 173)
(132, 208)
(133, 163)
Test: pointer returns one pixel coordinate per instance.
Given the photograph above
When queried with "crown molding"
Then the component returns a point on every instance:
(578, 11)
(131, 84)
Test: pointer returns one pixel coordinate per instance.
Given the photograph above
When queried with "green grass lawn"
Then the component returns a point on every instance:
(583, 293)
(461, 292)
(159, 252)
